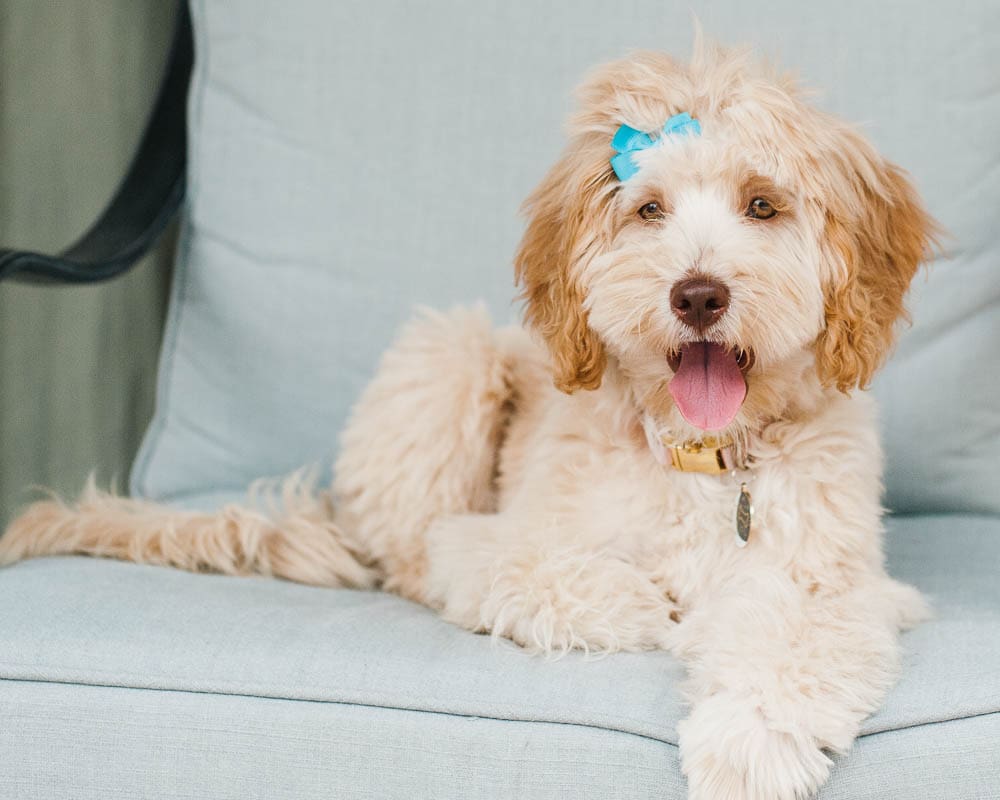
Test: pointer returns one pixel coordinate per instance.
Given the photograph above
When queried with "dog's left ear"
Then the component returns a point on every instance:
(565, 217)
(879, 232)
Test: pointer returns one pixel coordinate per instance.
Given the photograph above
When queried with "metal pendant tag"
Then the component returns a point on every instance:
(744, 516)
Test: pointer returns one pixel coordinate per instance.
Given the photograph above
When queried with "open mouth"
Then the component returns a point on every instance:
(709, 383)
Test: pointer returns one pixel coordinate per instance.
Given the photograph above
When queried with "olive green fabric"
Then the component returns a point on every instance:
(77, 364)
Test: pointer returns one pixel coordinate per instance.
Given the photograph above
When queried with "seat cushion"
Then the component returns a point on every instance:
(158, 672)
(349, 160)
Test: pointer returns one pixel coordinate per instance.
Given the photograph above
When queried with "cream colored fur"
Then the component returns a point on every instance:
(468, 482)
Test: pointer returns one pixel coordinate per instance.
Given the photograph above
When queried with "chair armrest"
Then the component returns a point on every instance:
(146, 199)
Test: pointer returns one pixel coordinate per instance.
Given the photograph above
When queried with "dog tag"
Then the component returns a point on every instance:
(744, 516)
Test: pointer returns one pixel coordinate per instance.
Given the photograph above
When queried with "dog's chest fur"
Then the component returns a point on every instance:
(580, 465)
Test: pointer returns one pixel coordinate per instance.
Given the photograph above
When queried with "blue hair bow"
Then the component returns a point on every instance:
(628, 141)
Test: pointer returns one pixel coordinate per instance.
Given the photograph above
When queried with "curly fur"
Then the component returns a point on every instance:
(470, 483)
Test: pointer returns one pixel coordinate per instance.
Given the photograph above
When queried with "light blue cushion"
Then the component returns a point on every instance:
(351, 159)
(218, 687)
(122, 744)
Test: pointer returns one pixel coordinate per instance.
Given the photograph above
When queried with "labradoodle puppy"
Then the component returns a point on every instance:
(711, 272)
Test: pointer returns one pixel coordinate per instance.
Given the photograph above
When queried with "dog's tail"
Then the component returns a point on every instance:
(421, 445)
(292, 537)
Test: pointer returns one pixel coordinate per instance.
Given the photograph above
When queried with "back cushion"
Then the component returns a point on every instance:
(351, 160)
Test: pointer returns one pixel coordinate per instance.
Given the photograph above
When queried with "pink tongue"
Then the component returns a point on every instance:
(708, 387)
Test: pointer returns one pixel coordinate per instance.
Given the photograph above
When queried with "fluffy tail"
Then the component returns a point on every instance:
(293, 538)
(421, 445)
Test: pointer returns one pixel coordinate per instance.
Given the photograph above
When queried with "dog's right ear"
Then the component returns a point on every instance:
(569, 220)
(566, 220)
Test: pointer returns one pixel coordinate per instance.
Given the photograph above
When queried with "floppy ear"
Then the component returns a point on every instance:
(878, 229)
(566, 216)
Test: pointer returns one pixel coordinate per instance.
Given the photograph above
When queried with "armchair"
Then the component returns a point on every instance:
(322, 159)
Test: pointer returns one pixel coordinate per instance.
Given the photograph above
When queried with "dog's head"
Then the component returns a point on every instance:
(776, 237)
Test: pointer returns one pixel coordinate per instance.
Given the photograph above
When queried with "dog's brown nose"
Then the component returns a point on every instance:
(699, 302)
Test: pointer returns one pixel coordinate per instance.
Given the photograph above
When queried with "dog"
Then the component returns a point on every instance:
(674, 455)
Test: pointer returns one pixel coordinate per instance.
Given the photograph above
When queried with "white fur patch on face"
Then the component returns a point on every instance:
(772, 268)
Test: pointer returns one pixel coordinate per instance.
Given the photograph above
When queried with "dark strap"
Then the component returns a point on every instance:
(147, 198)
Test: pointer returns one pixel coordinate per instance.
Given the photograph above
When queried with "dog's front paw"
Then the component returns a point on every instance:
(731, 751)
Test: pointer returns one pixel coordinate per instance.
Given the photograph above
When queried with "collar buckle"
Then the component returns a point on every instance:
(711, 456)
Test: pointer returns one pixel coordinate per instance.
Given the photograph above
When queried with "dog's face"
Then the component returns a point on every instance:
(776, 240)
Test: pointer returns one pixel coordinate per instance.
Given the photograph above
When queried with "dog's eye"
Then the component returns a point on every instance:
(759, 208)
(651, 211)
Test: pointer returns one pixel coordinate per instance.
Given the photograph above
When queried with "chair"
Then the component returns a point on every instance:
(336, 164)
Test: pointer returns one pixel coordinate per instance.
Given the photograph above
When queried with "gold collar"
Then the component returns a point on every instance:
(709, 456)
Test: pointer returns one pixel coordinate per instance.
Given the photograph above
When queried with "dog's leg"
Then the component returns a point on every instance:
(492, 573)
(298, 542)
(778, 675)
(422, 441)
